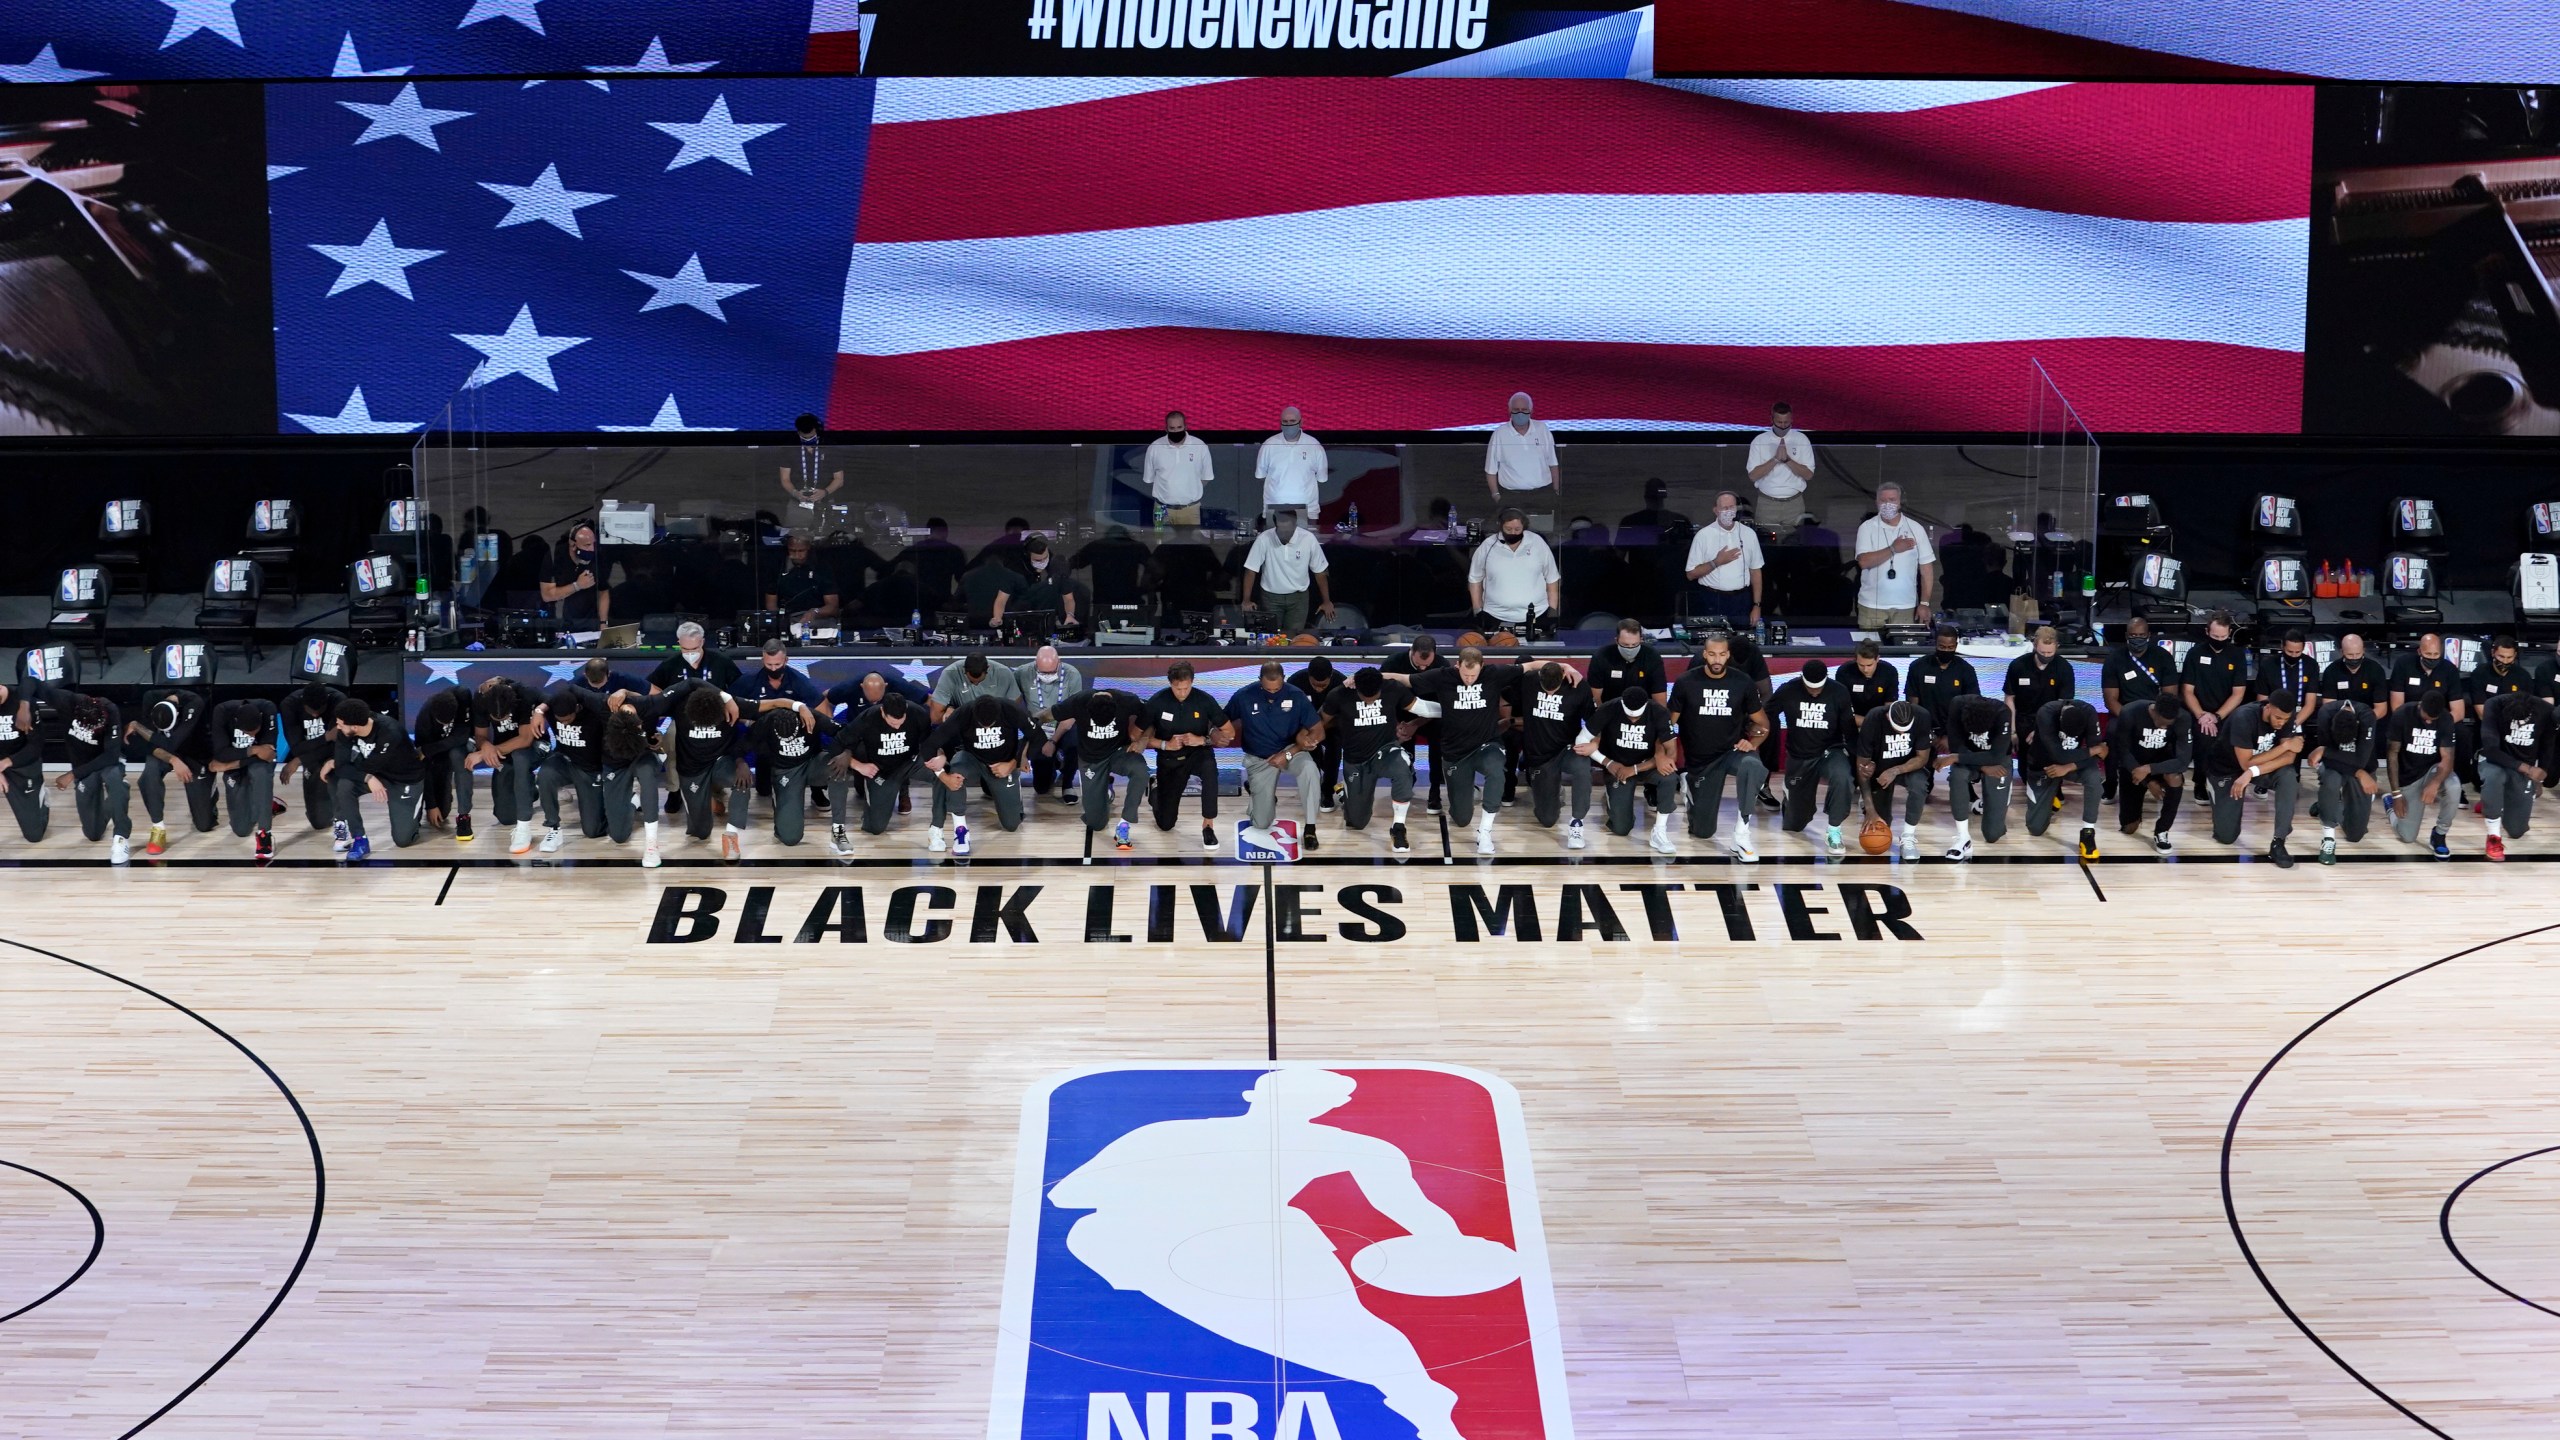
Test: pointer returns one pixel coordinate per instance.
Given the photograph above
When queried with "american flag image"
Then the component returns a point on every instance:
(1402, 254)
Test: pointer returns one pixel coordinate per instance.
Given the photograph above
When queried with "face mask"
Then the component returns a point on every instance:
(1040, 564)
(2138, 644)
(1519, 420)
(1628, 652)
(1725, 517)
(1175, 435)
(1889, 511)
(1289, 431)
(808, 439)
(1511, 540)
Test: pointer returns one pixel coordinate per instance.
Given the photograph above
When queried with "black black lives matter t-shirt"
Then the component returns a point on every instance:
(237, 725)
(1977, 732)
(872, 740)
(1551, 721)
(2141, 739)
(1631, 739)
(1887, 747)
(699, 747)
(1105, 722)
(2050, 744)
(781, 744)
(502, 722)
(1815, 722)
(1470, 710)
(2514, 730)
(1364, 725)
(1713, 712)
(2423, 743)
(2352, 755)
(306, 731)
(576, 727)
(991, 744)
(2247, 733)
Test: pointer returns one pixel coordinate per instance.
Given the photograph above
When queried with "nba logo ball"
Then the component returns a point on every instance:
(1276, 1252)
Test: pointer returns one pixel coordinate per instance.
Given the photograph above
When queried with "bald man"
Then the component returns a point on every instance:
(1520, 465)
(1291, 467)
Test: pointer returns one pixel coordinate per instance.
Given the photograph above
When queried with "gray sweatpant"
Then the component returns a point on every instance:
(1549, 782)
(1832, 770)
(720, 779)
(879, 795)
(1094, 781)
(1484, 765)
(2286, 786)
(1660, 791)
(630, 795)
(2506, 797)
(2448, 804)
(1004, 790)
(101, 798)
(511, 787)
(1915, 794)
(405, 800)
(1262, 786)
(2043, 788)
(1962, 783)
(1393, 764)
(248, 792)
(557, 772)
(155, 793)
(1745, 769)
(790, 799)
(24, 785)
(2343, 803)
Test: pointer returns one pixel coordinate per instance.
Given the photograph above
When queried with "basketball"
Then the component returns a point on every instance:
(1876, 837)
(1504, 640)
(1306, 639)
(1472, 637)
(1437, 1265)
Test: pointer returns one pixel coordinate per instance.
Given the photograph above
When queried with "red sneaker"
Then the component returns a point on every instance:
(2497, 847)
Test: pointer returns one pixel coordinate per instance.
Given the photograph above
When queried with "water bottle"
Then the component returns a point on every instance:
(1351, 521)
(468, 567)
(915, 620)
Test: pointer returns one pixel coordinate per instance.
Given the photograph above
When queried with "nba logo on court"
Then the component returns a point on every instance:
(1277, 845)
(1277, 1252)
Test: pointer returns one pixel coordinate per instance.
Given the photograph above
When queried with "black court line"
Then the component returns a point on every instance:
(446, 888)
(2230, 1141)
(920, 861)
(1447, 856)
(97, 1236)
(2444, 1225)
(2092, 877)
(1270, 966)
(319, 1177)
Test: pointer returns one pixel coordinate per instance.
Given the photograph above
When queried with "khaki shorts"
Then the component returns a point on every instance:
(1178, 514)
(1878, 619)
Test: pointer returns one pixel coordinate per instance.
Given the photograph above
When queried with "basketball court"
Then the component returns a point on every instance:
(1807, 1149)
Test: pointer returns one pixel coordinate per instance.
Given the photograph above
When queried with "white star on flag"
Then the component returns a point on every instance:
(563, 671)
(688, 286)
(353, 418)
(545, 200)
(349, 67)
(446, 672)
(45, 70)
(713, 137)
(195, 15)
(916, 672)
(522, 350)
(404, 116)
(278, 172)
(520, 11)
(653, 61)
(375, 262)
(669, 419)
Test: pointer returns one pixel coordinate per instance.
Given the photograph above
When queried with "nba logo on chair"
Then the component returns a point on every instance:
(1277, 1252)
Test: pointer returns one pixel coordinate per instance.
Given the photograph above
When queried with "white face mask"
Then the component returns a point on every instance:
(1725, 516)
(1889, 510)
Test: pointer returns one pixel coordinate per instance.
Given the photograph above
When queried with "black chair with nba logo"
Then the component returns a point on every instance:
(124, 543)
(274, 540)
(2280, 578)
(80, 596)
(232, 590)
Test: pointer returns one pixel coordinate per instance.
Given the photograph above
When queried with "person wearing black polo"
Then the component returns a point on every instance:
(1184, 726)
(804, 593)
(1368, 716)
(1628, 660)
(2152, 749)
(2130, 673)
(878, 750)
(1469, 696)
(1635, 752)
(1974, 749)
(1937, 680)
(1814, 713)
(309, 721)
(167, 735)
(2214, 680)
(2037, 679)
(2065, 746)
(2419, 739)
(981, 744)
(240, 737)
(1893, 754)
(574, 586)
(1556, 725)
(2291, 669)
(375, 755)
(693, 660)
(1316, 680)
(22, 766)
(2357, 677)
(2515, 743)
(2257, 740)
(1097, 728)
(573, 720)
(1419, 659)
(1870, 682)
(1722, 725)
(2344, 734)
(2426, 672)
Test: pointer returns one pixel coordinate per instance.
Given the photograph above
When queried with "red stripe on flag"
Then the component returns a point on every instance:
(1235, 380)
(834, 52)
(1888, 37)
(1267, 147)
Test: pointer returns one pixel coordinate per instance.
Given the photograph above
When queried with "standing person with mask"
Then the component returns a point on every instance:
(1717, 710)
(2420, 740)
(2343, 758)
(1292, 468)
(375, 755)
(22, 766)
(310, 725)
(1046, 684)
(1469, 697)
(1420, 658)
(1278, 728)
(508, 723)
(1555, 719)
(1635, 751)
(1974, 748)
(1283, 562)
(1096, 734)
(1871, 683)
(1177, 472)
(1780, 462)
(1937, 680)
(1513, 576)
(241, 755)
(812, 478)
(1629, 660)
(2152, 749)
(1726, 563)
(1185, 725)
(2037, 678)
(1046, 587)
(574, 588)
(445, 742)
(981, 745)
(2258, 740)
(1893, 754)
(1815, 714)
(1520, 469)
(170, 738)
(1366, 717)
(1897, 566)
(2515, 741)
(2212, 682)
(2065, 746)
(878, 751)
(93, 732)
(2292, 670)
(2426, 672)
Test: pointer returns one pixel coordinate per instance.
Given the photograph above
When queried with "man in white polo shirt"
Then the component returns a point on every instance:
(1724, 559)
(1177, 472)
(1897, 567)
(1780, 463)
(1291, 468)
(1283, 559)
(1514, 573)
(1520, 466)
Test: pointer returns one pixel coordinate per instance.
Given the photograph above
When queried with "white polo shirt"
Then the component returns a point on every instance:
(1713, 540)
(1780, 483)
(1519, 461)
(1514, 580)
(1292, 473)
(1178, 474)
(1900, 590)
(1285, 569)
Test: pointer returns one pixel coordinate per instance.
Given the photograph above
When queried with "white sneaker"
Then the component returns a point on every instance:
(839, 842)
(1741, 849)
(2161, 843)
(339, 839)
(1831, 837)
(119, 851)
(1961, 850)
(522, 839)
(649, 856)
(1573, 836)
(551, 842)
(1910, 845)
(960, 839)
(1484, 838)
(1661, 839)
(933, 839)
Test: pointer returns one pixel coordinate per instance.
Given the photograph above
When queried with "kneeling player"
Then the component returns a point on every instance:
(376, 755)
(1368, 716)
(22, 764)
(241, 754)
(2344, 760)
(1819, 726)
(1635, 753)
(573, 716)
(2261, 740)
(979, 744)
(2153, 749)
(874, 754)
(2515, 736)
(1975, 753)
(170, 733)
(1893, 754)
(633, 773)
(1716, 706)
(310, 720)
(1096, 726)
(446, 743)
(2422, 756)
(93, 733)
(1556, 719)
(2065, 748)
(703, 745)
(789, 754)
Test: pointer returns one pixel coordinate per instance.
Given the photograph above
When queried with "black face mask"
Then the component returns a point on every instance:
(1513, 540)
(1176, 436)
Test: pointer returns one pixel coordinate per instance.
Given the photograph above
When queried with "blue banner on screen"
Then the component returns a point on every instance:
(308, 39)
(661, 256)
